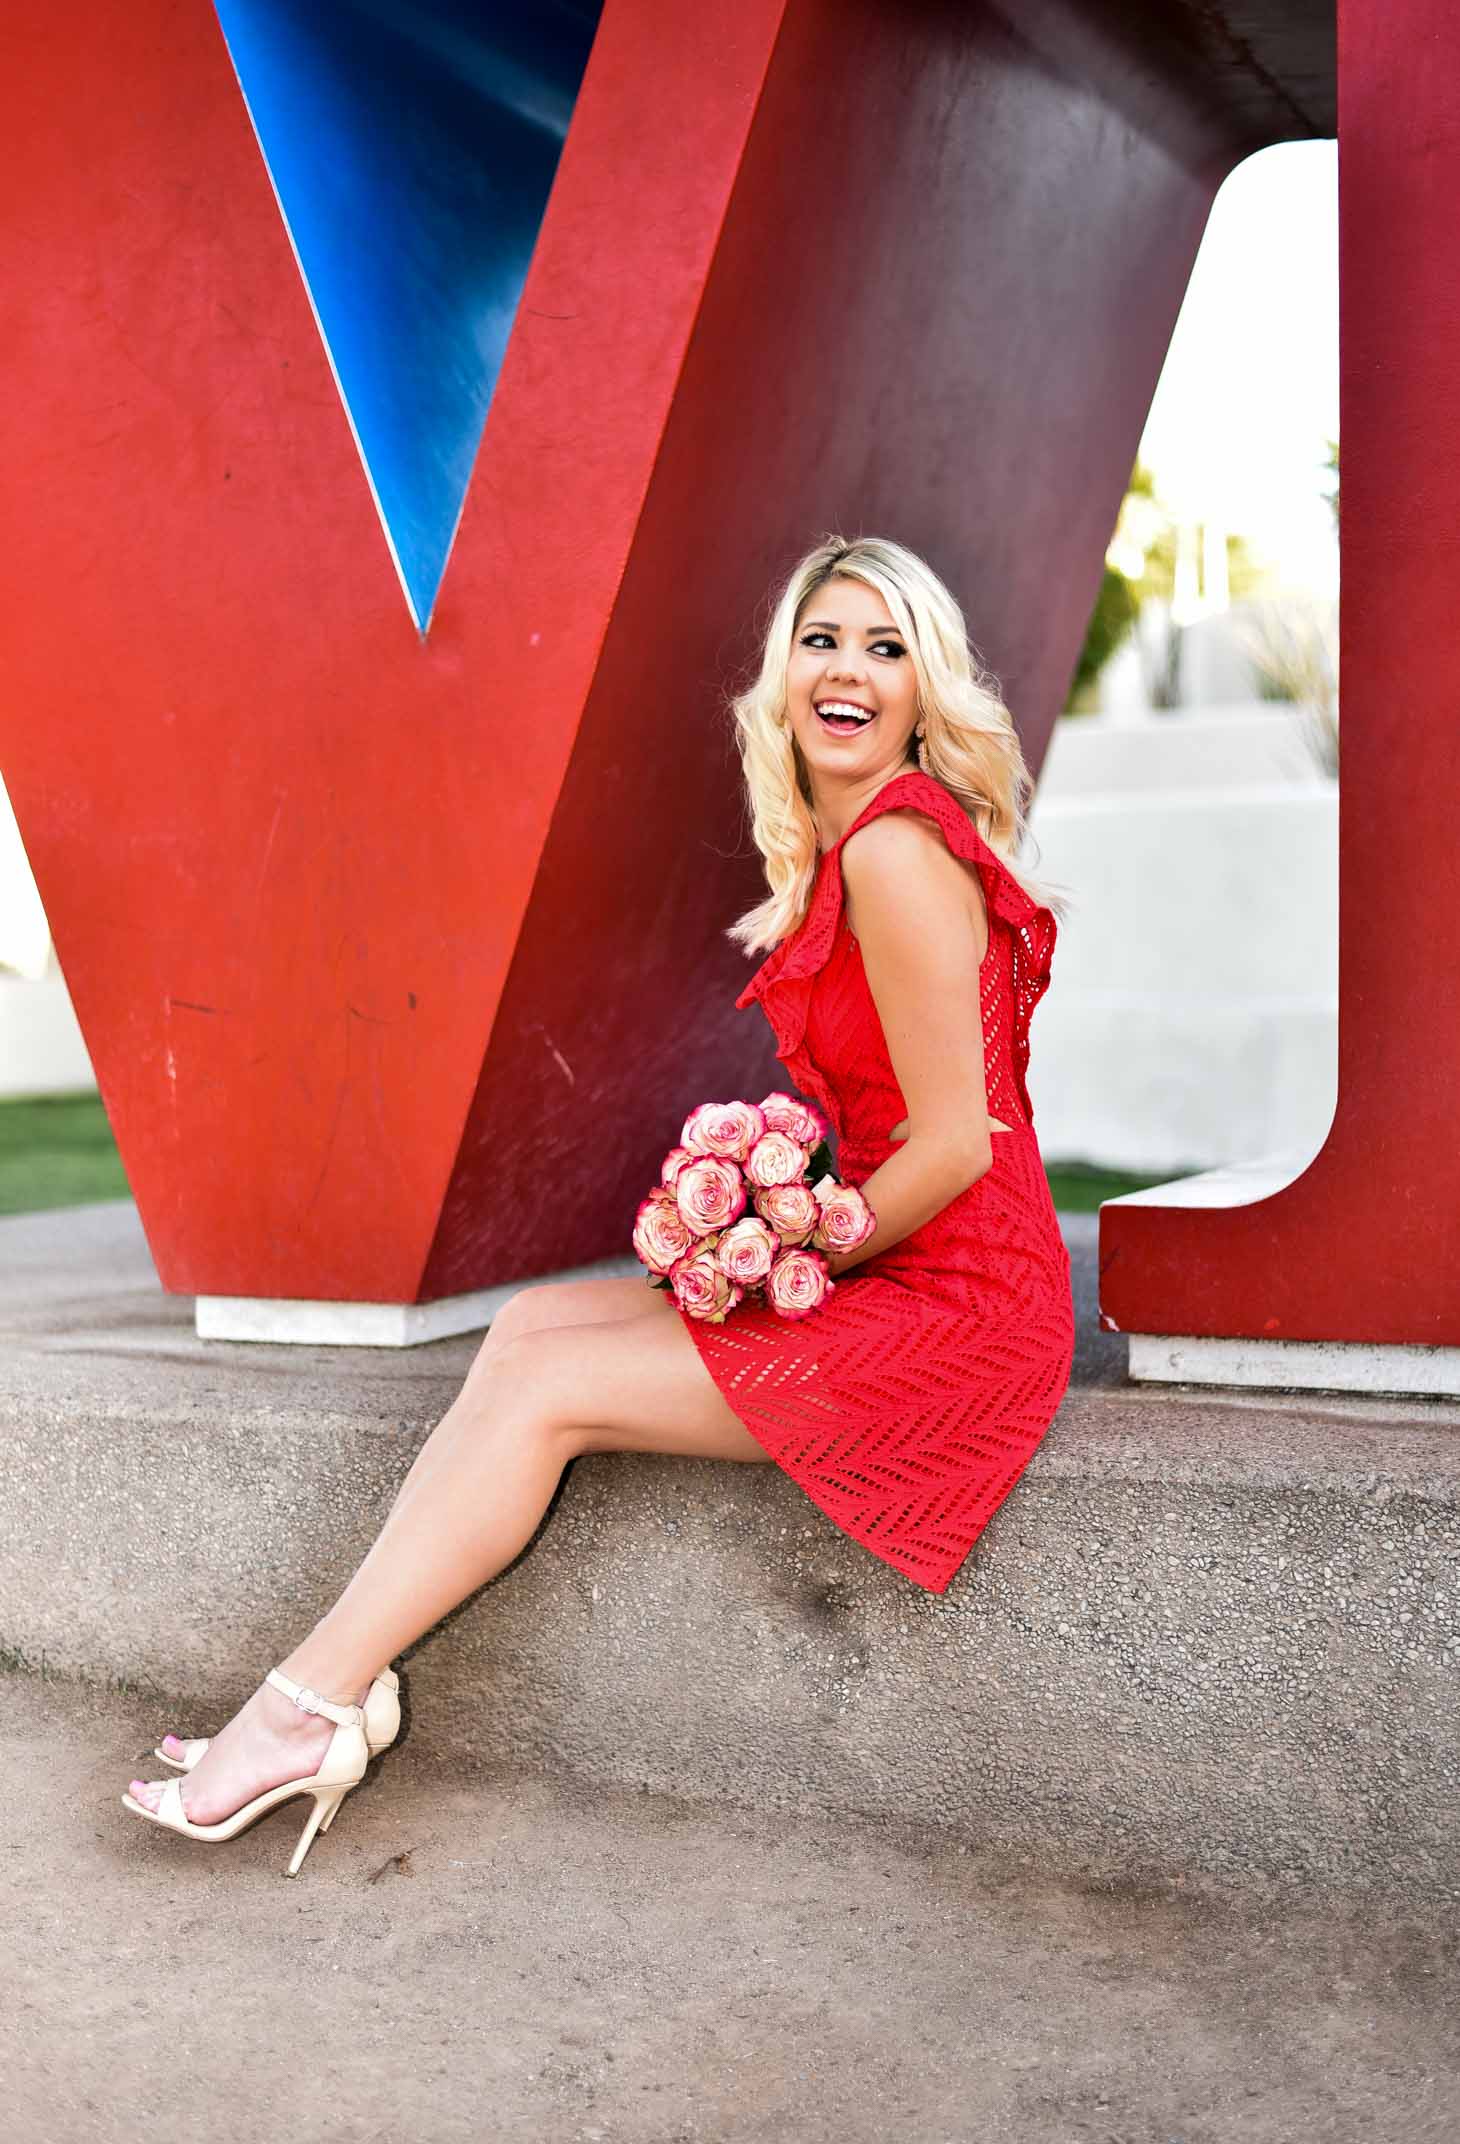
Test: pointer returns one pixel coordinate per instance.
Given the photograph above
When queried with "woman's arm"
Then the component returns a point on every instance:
(908, 905)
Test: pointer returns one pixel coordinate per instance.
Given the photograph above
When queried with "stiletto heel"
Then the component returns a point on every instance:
(343, 1767)
(321, 1816)
(382, 1725)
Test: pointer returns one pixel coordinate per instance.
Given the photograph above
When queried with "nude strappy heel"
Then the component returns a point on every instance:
(344, 1765)
(382, 1725)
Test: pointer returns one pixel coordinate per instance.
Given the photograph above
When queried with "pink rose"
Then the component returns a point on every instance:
(710, 1194)
(798, 1120)
(746, 1251)
(799, 1283)
(661, 1233)
(846, 1220)
(702, 1287)
(674, 1161)
(776, 1159)
(792, 1210)
(726, 1129)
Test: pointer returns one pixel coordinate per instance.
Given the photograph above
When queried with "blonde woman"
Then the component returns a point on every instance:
(904, 958)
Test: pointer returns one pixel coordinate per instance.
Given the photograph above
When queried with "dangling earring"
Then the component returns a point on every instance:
(923, 751)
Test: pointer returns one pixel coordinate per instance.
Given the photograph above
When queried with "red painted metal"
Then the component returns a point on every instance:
(1365, 1244)
(287, 847)
(396, 958)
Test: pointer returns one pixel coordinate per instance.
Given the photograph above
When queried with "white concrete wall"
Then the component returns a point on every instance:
(25, 936)
(41, 1050)
(1192, 1019)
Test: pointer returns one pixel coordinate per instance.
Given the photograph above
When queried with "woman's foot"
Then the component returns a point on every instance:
(268, 1741)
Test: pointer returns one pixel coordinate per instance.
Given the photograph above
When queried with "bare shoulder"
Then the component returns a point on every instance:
(899, 871)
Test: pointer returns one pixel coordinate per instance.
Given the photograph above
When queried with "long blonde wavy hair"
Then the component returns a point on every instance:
(970, 744)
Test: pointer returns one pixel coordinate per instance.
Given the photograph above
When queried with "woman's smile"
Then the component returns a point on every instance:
(844, 718)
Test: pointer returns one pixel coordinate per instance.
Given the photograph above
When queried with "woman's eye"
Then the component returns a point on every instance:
(892, 646)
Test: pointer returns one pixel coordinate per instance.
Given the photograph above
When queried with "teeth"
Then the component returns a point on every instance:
(843, 712)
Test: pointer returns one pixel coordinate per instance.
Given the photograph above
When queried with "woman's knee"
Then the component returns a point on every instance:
(510, 1393)
(524, 1311)
(498, 1362)
(541, 1306)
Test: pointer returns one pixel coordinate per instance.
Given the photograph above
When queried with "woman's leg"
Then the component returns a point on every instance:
(534, 1308)
(473, 1499)
(540, 1308)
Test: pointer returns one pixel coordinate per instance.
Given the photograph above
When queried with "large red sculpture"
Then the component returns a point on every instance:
(1364, 1244)
(396, 954)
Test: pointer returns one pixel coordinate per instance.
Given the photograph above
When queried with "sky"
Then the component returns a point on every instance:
(1249, 391)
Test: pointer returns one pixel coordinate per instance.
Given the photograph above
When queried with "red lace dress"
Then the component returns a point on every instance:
(908, 1406)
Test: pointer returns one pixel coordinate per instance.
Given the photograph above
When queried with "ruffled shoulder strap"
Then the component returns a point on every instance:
(783, 980)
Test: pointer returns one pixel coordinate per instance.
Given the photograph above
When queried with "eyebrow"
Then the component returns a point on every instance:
(829, 625)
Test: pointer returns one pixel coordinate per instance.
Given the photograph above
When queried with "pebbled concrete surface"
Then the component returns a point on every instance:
(517, 1958)
(1209, 1632)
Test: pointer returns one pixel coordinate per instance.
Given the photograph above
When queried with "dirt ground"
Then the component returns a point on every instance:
(524, 1960)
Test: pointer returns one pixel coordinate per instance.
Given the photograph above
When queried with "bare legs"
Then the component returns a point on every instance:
(624, 1374)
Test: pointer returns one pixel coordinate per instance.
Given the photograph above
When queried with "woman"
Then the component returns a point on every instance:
(886, 787)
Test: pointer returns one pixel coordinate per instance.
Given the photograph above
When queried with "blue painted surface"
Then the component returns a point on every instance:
(412, 148)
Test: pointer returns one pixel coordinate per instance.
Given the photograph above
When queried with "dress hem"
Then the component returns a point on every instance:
(890, 1560)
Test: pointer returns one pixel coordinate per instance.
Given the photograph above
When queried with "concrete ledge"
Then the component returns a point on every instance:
(1208, 1632)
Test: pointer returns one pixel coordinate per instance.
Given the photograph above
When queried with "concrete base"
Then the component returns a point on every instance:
(1208, 1633)
(280, 1321)
(1295, 1365)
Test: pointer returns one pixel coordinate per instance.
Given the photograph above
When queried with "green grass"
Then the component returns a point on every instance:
(1078, 1187)
(58, 1150)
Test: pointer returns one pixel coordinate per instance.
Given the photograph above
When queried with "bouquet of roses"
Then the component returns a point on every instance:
(697, 1237)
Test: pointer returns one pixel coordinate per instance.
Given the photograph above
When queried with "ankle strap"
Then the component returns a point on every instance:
(310, 1701)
